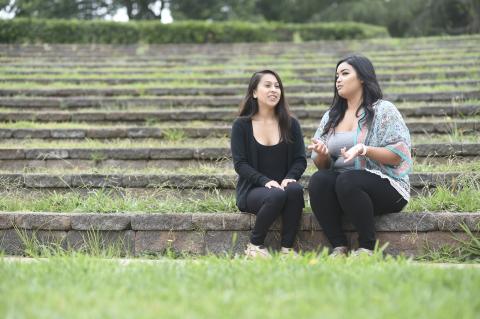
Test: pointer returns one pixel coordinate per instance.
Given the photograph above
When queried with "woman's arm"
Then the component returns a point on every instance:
(381, 155)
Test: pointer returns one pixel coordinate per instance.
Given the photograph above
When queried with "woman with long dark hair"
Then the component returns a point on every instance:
(362, 151)
(269, 156)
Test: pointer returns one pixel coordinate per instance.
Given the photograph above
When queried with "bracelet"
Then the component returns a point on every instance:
(364, 150)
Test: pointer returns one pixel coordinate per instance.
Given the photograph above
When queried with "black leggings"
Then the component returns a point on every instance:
(357, 193)
(268, 204)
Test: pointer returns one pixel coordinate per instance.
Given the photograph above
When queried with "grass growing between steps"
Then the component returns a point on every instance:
(225, 167)
(463, 197)
(466, 250)
(82, 286)
(110, 201)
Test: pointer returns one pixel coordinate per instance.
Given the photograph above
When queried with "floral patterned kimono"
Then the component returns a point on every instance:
(388, 130)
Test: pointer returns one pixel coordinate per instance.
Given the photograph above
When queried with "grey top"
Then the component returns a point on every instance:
(335, 143)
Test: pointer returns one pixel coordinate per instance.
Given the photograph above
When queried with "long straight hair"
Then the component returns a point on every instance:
(371, 92)
(249, 105)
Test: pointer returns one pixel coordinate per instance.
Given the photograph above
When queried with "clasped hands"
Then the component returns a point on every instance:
(282, 185)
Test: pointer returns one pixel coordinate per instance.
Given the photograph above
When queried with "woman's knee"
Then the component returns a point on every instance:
(347, 182)
(276, 197)
(294, 191)
(320, 180)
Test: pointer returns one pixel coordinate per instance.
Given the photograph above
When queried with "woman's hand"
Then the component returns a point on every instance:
(318, 147)
(273, 184)
(286, 181)
(353, 152)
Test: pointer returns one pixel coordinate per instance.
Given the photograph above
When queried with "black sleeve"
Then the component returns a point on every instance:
(239, 155)
(299, 157)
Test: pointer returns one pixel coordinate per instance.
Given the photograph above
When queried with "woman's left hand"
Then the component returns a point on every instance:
(353, 152)
(286, 181)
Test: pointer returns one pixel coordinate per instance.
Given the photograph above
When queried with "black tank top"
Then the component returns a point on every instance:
(272, 160)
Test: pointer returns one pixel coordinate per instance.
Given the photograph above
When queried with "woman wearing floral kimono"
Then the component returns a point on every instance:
(362, 151)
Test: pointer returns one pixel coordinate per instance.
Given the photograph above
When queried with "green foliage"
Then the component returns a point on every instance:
(64, 9)
(76, 31)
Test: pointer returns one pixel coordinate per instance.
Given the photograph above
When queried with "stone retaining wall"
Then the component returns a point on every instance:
(202, 233)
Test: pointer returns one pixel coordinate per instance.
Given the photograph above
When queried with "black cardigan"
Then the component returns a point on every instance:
(244, 154)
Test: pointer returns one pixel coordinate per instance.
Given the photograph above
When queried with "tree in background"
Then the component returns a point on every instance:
(59, 9)
(216, 10)
(408, 17)
(401, 17)
(143, 9)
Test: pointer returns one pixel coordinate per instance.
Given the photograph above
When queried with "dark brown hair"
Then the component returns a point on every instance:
(249, 105)
(371, 92)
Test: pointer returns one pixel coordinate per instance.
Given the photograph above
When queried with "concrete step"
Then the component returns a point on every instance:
(319, 48)
(418, 181)
(230, 90)
(117, 131)
(293, 64)
(304, 68)
(117, 116)
(209, 101)
(193, 153)
(200, 233)
(412, 58)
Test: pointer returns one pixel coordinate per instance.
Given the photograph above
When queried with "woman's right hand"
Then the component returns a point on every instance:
(273, 184)
(318, 147)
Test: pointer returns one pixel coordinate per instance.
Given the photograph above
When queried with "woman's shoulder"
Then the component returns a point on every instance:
(383, 106)
(241, 121)
(294, 120)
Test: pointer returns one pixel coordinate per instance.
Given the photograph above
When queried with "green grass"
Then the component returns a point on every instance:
(175, 138)
(464, 250)
(81, 286)
(452, 164)
(234, 109)
(462, 197)
(116, 143)
(153, 122)
(110, 201)
(190, 84)
(160, 200)
(225, 166)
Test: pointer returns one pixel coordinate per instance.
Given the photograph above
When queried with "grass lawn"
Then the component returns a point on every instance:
(313, 286)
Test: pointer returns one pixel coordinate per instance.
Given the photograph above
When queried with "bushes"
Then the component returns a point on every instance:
(153, 32)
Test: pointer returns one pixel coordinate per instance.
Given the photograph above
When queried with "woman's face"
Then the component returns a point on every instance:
(347, 84)
(268, 91)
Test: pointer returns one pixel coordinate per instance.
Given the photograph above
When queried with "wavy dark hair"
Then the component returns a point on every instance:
(249, 105)
(371, 92)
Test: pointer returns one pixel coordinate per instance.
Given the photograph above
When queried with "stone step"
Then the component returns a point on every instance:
(292, 64)
(319, 48)
(212, 101)
(179, 181)
(230, 90)
(284, 60)
(231, 80)
(114, 132)
(197, 153)
(239, 77)
(118, 116)
(218, 69)
(208, 233)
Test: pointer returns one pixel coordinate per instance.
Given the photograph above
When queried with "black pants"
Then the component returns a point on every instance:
(357, 193)
(268, 204)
